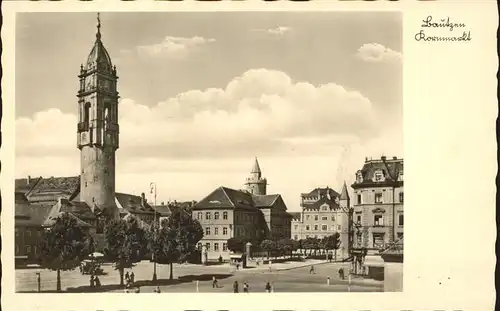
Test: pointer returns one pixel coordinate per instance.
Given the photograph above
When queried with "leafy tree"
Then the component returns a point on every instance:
(285, 246)
(176, 239)
(126, 243)
(268, 246)
(332, 242)
(236, 245)
(64, 245)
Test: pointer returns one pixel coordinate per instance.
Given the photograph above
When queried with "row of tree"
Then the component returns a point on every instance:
(67, 243)
(285, 247)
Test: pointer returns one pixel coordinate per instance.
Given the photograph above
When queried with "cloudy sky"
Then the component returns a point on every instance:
(310, 94)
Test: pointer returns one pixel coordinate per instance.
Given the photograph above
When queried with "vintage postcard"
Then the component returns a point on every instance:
(199, 151)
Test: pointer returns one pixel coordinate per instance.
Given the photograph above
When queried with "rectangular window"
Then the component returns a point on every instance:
(224, 215)
(216, 215)
(28, 249)
(207, 246)
(296, 227)
(308, 217)
(200, 215)
(333, 218)
(359, 198)
(378, 176)
(216, 247)
(378, 240)
(324, 217)
(378, 220)
(400, 220)
(224, 247)
(208, 215)
(400, 235)
(359, 239)
(358, 218)
(308, 228)
(378, 197)
(199, 245)
(324, 227)
(315, 227)
(216, 231)
(339, 228)
(315, 217)
(207, 231)
(324, 208)
(224, 231)
(401, 197)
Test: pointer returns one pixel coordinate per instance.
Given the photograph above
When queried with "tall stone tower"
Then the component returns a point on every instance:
(98, 129)
(255, 183)
(344, 200)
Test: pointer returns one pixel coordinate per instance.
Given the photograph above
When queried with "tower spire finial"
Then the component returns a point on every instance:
(98, 35)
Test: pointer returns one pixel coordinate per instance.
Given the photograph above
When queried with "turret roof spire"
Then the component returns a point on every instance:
(256, 167)
(98, 34)
(344, 195)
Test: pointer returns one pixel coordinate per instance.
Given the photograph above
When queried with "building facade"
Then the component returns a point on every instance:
(324, 212)
(378, 204)
(228, 213)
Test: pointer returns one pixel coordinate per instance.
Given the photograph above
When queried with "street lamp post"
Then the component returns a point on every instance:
(152, 187)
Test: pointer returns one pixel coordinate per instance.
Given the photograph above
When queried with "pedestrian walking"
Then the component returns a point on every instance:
(235, 287)
(97, 282)
(132, 277)
(138, 289)
(38, 281)
(268, 287)
(245, 287)
(311, 270)
(157, 289)
(92, 281)
(127, 278)
(215, 284)
(341, 274)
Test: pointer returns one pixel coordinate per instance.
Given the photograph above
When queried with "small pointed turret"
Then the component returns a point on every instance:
(255, 183)
(344, 195)
(256, 167)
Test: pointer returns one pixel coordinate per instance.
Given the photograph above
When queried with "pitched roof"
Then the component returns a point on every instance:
(133, 203)
(78, 209)
(51, 220)
(25, 184)
(317, 204)
(62, 184)
(391, 169)
(265, 200)
(256, 167)
(319, 192)
(163, 210)
(30, 215)
(344, 195)
(295, 215)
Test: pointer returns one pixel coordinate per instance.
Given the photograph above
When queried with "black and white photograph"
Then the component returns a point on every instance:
(210, 152)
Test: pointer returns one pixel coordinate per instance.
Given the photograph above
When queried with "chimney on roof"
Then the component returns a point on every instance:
(366, 159)
(29, 179)
(394, 158)
(143, 199)
(383, 158)
(162, 203)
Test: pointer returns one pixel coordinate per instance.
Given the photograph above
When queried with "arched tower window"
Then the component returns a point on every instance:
(107, 114)
(86, 113)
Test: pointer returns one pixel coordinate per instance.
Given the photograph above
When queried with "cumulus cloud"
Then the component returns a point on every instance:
(279, 31)
(260, 112)
(173, 46)
(376, 53)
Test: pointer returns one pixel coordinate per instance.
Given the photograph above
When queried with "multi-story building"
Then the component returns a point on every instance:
(324, 212)
(378, 204)
(249, 214)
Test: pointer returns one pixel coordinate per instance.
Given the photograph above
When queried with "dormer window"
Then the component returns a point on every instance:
(359, 177)
(378, 176)
(400, 177)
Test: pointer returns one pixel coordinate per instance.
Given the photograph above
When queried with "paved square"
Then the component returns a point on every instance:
(186, 276)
